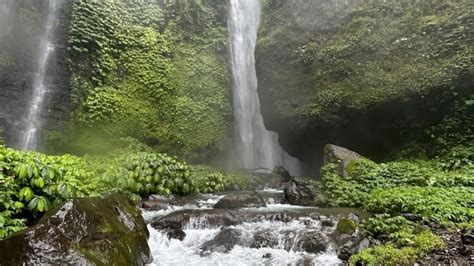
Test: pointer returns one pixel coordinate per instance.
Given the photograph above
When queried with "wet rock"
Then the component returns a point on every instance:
(83, 231)
(282, 172)
(199, 218)
(240, 200)
(222, 242)
(264, 239)
(173, 229)
(298, 192)
(340, 156)
(154, 205)
(467, 236)
(354, 217)
(352, 247)
(305, 261)
(314, 242)
(288, 239)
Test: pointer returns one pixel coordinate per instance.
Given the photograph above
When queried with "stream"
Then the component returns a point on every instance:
(277, 234)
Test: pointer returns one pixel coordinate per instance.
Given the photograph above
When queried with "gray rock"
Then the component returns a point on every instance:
(173, 229)
(467, 236)
(240, 200)
(314, 242)
(223, 242)
(354, 217)
(264, 239)
(340, 156)
(299, 192)
(282, 172)
(352, 247)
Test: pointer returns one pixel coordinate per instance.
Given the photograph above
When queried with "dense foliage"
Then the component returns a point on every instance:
(31, 183)
(427, 190)
(154, 73)
(355, 54)
(142, 174)
(388, 70)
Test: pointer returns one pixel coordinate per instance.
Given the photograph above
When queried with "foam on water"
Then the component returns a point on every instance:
(187, 252)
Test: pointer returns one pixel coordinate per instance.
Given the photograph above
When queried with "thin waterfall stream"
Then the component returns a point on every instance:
(255, 146)
(30, 136)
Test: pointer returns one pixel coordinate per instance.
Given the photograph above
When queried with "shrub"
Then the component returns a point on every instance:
(211, 180)
(385, 225)
(144, 173)
(31, 183)
(444, 205)
(385, 255)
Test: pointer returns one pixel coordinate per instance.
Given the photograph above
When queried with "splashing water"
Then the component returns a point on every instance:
(255, 146)
(29, 138)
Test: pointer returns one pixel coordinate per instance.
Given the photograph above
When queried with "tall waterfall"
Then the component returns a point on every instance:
(254, 146)
(29, 139)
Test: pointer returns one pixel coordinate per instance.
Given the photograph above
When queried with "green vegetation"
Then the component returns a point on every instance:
(388, 254)
(211, 180)
(156, 74)
(346, 226)
(442, 205)
(356, 55)
(438, 190)
(31, 183)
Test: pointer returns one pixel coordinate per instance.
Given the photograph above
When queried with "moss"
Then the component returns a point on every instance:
(346, 226)
(386, 70)
(385, 255)
(151, 74)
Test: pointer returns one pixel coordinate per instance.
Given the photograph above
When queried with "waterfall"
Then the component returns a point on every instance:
(254, 146)
(29, 138)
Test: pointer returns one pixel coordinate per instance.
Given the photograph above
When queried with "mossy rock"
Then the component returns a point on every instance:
(346, 226)
(83, 231)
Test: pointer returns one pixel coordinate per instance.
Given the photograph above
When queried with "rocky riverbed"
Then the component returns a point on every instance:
(253, 228)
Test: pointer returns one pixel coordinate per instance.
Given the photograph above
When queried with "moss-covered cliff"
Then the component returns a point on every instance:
(154, 71)
(369, 75)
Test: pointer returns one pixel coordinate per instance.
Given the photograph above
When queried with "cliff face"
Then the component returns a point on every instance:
(156, 72)
(21, 26)
(368, 75)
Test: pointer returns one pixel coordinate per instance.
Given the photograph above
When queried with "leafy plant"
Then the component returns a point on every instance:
(141, 174)
(443, 205)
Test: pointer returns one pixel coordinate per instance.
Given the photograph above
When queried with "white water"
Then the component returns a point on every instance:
(29, 138)
(198, 231)
(187, 252)
(255, 146)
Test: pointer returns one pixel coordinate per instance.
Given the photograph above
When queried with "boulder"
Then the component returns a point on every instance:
(173, 229)
(467, 236)
(352, 247)
(282, 173)
(222, 242)
(314, 242)
(264, 239)
(298, 192)
(199, 219)
(241, 200)
(83, 231)
(341, 156)
(354, 217)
